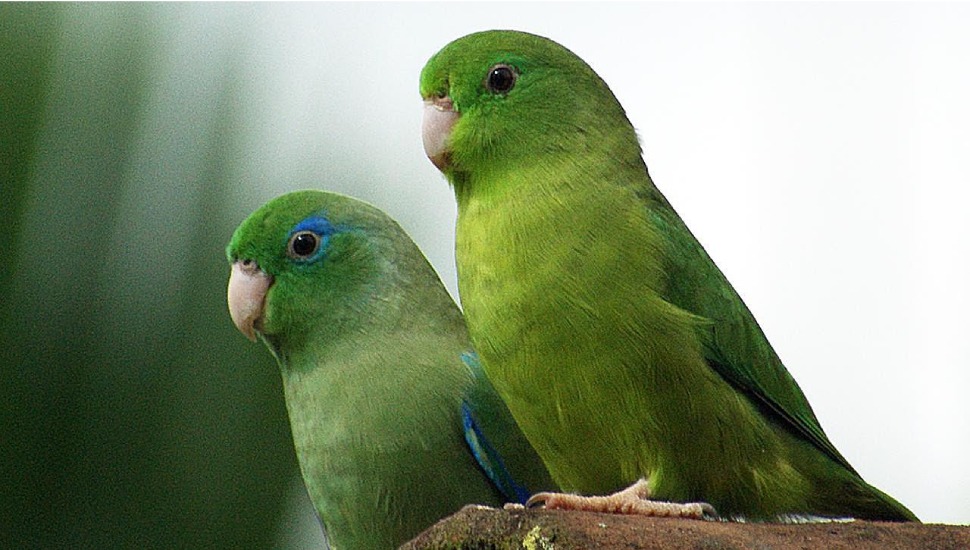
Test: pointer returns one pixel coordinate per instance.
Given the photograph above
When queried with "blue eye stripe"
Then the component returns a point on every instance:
(316, 224)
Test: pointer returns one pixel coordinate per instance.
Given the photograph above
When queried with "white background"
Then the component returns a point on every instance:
(819, 151)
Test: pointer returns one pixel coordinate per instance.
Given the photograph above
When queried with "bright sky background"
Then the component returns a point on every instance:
(819, 151)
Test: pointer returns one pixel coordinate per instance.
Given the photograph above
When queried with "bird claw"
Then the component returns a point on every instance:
(633, 500)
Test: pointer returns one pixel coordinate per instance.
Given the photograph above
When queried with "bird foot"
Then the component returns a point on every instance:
(634, 500)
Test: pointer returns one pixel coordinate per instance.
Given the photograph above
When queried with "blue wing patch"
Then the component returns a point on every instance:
(485, 454)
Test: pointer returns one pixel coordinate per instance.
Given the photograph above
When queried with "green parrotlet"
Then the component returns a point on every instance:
(620, 348)
(394, 424)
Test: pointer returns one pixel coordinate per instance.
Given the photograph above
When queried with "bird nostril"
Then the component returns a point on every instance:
(250, 265)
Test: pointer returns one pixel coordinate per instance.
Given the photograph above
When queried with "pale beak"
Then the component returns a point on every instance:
(439, 117)
(248, 285)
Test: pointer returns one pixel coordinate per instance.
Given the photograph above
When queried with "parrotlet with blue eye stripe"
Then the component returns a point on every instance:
(394, 423)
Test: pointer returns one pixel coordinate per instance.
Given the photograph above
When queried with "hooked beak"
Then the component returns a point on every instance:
(248, 285)
(439, 117)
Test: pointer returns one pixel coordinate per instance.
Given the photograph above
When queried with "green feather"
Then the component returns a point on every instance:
(370, 348)
(620, 348)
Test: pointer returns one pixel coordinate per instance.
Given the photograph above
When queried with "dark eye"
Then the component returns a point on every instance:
(500, 79)
(303, 244)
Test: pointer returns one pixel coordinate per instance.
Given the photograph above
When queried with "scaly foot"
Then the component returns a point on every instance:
(635, 499)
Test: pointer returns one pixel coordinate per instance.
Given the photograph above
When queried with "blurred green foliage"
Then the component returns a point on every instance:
(132, 414)
(27, 40)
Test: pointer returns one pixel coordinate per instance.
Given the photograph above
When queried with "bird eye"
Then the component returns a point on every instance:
(302, 245)
(500, 79)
